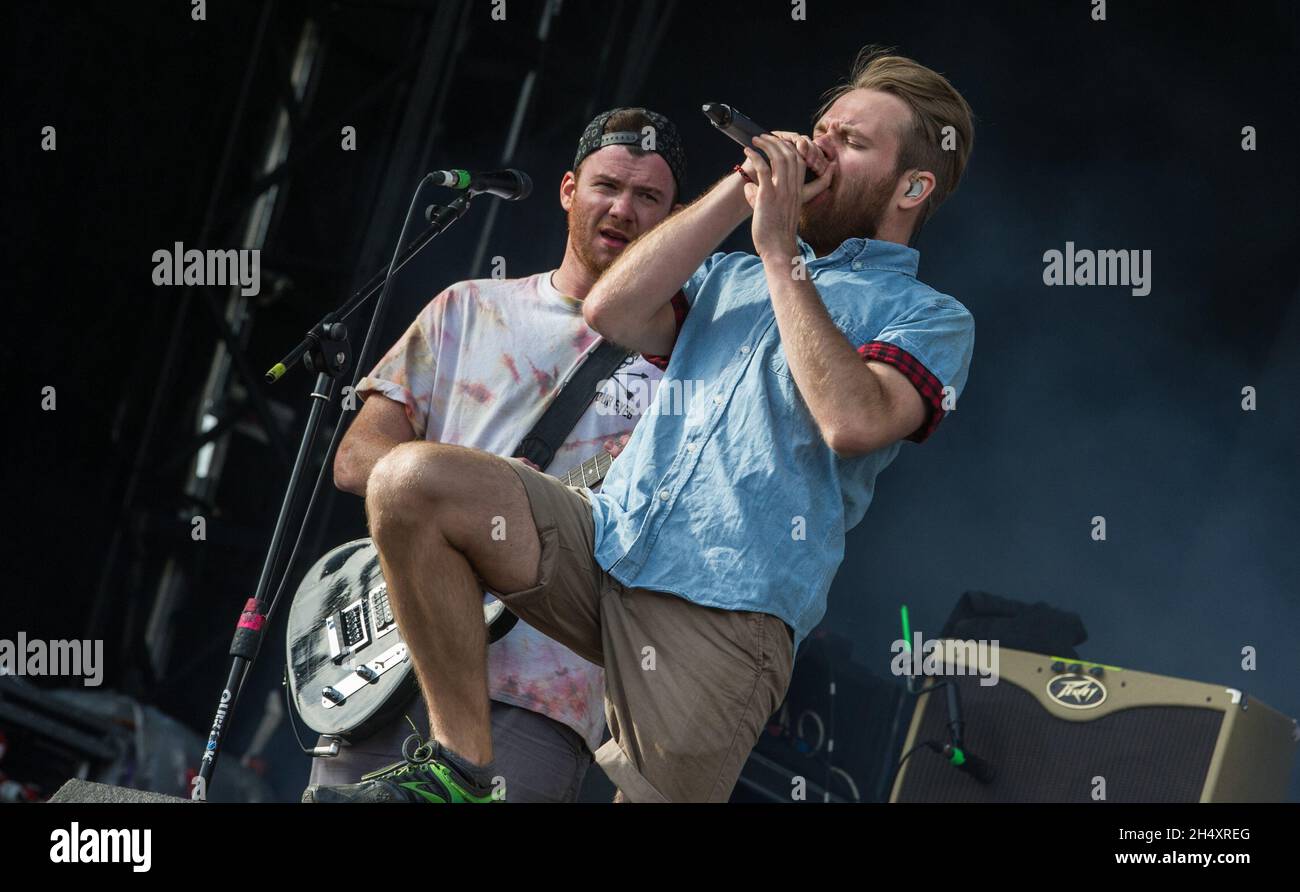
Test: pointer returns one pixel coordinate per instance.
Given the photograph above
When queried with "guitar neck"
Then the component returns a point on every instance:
(590, 472)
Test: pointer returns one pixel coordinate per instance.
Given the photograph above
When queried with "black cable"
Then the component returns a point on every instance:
(311, 504)
(830, 735)
(931, 744)
(288, 701)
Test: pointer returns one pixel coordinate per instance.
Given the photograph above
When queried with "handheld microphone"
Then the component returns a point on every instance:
(511, 184)
(737, 125)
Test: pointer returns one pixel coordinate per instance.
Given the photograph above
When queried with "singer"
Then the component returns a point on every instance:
(822, 352)
(684, 577)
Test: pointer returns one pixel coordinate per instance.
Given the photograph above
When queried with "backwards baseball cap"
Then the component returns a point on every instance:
(664, 140)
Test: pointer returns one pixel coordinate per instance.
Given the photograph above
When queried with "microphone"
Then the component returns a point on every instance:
(976, 767)
(958, 756)
(737, 125)
(512, 185)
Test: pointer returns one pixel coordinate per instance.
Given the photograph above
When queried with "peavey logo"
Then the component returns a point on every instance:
(1076, 691)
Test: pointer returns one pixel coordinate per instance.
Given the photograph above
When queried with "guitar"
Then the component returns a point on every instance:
(347, 666)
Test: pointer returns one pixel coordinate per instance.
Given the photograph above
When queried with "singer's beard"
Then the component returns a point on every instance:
(841, 216)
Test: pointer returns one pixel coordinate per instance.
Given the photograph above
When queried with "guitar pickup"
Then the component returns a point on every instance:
(382, 611)
(346, 630)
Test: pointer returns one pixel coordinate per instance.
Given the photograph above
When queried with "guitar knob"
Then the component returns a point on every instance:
(369, 674)
(333, 695)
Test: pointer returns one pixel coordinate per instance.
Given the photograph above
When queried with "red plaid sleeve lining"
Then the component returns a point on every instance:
(680, 309)
(925, 383)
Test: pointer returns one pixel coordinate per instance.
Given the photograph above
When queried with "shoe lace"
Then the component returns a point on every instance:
(418, 751)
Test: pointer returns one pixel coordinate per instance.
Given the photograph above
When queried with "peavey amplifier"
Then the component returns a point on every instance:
(1056, 730)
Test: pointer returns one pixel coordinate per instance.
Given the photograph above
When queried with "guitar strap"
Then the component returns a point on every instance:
(561, 416)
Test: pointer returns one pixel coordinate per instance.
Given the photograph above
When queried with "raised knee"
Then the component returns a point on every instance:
(401, 485)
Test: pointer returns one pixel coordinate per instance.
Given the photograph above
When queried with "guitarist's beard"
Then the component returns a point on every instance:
(583, 233)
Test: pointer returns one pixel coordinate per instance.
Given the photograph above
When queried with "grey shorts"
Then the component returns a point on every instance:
(542, 760)
(688, 688)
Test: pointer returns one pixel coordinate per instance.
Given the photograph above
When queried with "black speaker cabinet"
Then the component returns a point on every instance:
(1072, 731)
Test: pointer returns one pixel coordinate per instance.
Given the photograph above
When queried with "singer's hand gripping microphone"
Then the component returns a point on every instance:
(741, 128)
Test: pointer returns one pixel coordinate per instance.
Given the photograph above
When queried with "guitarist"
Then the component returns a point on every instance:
(477, 368)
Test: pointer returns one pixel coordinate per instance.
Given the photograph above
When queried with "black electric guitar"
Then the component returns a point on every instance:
(347, 665)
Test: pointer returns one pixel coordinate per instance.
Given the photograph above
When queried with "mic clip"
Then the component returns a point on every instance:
(329, 351)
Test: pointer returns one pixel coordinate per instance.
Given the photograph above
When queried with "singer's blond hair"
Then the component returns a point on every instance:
(935, 104)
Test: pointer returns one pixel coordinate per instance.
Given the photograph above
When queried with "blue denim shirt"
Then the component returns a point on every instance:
(739, 503)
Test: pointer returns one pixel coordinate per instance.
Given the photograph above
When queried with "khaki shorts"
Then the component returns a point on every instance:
(688, 688)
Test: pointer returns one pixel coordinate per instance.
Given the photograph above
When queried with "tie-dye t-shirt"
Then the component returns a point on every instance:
(477, 367)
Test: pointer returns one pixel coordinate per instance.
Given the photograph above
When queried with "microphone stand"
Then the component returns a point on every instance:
(324, 350)
(954, 750)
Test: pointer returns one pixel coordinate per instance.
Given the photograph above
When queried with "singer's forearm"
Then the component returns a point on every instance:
(630, 302)
(858, 406)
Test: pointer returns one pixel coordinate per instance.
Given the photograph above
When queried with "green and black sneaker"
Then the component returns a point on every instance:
(420, 777)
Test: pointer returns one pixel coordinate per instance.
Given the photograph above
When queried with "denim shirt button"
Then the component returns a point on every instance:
(663, 495)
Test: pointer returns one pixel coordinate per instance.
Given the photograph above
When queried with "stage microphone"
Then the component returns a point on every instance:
(511, 184)
(735, 124)
(970, 763)
(958, 756)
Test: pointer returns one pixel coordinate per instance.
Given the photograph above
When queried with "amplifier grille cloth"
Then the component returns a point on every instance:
(1146, 753)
